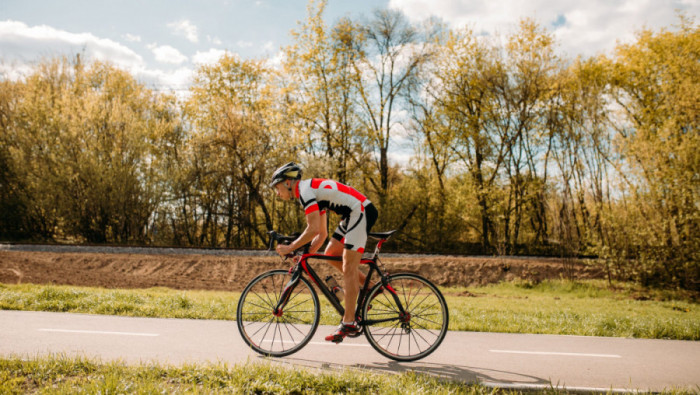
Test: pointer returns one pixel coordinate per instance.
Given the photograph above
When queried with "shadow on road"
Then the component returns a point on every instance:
(456, 372)
(464, 374)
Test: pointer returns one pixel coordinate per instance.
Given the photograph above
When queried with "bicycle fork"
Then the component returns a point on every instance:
(286, 294)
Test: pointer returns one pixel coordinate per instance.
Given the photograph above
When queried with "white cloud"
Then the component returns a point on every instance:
(177, 80)
(214, 40)
(23, 45)
(132, 38)
(14, 71)
(269, 46)
(185, 28)
(244, 44)
(586, 28)
(167, 54)
(276, 61)
(209, 57)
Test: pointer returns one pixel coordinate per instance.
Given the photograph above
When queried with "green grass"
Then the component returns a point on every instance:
(553, 307)
(64, 375)
(588, 308)
(70, 375)
(152, 302)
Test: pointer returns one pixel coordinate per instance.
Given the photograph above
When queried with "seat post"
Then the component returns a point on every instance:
(378, 247)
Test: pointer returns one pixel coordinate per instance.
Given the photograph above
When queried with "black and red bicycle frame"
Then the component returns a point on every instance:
(302, 266)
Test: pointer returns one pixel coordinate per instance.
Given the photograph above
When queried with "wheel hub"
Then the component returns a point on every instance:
(405, 320)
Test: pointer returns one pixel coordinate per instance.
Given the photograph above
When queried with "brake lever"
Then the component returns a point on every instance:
(273, 238)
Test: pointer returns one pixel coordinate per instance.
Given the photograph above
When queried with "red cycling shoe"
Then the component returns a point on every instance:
(342, 331)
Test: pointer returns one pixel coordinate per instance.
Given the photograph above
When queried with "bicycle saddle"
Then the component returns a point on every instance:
(382, 235)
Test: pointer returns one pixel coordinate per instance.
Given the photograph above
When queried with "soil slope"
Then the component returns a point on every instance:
(232, 273)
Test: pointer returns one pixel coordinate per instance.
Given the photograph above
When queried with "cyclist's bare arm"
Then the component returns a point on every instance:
(321, 237)
(313, 229)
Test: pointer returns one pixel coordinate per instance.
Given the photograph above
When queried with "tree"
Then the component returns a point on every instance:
(236, 134)
(86, 136)
(390, 53)
(462, 90)
(656, 83)
(578, 123)
(15, 221)
(321, 92)
(521, 95)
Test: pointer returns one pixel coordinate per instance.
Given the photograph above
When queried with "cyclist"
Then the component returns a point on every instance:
(358, 215)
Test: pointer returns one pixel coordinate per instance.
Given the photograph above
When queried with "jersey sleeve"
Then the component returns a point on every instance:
(307, 198)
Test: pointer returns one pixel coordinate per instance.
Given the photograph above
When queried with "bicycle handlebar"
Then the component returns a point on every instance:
(276, 237)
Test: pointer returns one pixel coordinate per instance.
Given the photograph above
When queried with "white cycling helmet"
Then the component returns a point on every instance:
(289, 171)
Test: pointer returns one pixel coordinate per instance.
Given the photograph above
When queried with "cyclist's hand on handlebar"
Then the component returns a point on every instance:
(284, 249)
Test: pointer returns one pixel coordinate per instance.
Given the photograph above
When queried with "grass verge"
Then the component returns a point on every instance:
(57, 374)
(553, 307)
(589, 308)
(67, 375)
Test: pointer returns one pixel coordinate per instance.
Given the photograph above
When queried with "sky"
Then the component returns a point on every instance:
(161, 42)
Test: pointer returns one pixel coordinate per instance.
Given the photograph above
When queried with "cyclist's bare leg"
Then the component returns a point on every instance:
(335, 248)
(351, 263)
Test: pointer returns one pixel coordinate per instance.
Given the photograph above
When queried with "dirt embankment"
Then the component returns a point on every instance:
(232, 273)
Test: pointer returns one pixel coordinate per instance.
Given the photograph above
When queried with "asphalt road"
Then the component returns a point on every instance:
(495, 359)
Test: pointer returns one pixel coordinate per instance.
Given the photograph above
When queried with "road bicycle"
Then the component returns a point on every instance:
(403, 316)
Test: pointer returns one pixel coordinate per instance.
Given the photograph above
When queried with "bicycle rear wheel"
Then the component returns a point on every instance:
(283, 333)
(410, 334)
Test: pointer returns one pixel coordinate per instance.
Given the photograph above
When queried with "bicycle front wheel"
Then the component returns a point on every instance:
(407, 320)
(277, 333)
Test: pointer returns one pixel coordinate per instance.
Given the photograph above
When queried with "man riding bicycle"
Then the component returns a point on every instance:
(358, 215)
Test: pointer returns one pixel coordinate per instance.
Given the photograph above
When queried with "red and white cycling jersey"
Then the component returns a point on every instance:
(323, 194)
(358, 213)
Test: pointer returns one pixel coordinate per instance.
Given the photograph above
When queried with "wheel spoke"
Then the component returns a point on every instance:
(277, 334)
(265, 325)
(266, 308)
(266, 300)
(421, 317)
(410, 336)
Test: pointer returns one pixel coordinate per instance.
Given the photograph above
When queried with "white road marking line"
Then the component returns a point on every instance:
(569, 354)
(98, 332)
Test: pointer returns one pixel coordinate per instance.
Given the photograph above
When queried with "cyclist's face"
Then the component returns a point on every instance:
(282, 190)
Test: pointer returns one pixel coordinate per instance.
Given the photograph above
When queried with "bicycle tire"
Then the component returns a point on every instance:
(270, 334)
(411, 336)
